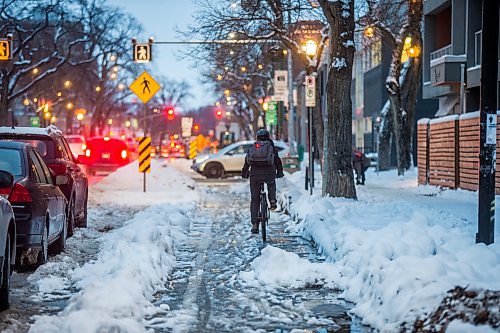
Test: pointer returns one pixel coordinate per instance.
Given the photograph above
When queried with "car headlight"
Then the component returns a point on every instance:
(202, 159)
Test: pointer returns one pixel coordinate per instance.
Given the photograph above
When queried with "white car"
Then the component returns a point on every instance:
(229, 160)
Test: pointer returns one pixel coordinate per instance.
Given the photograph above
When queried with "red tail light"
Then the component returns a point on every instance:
(124, 154)
(87, 153)
(58, 169)
(5, 191)
(20, 194)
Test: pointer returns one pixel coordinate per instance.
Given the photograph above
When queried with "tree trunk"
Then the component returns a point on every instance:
(338, 180)
(385, 139)
(411, 101)
(5, 120)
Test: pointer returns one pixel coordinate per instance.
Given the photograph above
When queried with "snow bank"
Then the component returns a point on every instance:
(163, 184)
(116, 290)
(399, 248)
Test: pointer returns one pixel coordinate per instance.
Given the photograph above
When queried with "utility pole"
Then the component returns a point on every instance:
(488, 123)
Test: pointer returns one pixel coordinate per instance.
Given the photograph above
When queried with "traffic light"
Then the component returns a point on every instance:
(218, 114)
(170, 112)
(196, 128)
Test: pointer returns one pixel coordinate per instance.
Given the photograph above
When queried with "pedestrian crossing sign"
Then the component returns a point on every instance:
(5, 49)
(142, 52)
(145, 87)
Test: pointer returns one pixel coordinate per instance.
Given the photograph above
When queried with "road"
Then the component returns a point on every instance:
(204, 292)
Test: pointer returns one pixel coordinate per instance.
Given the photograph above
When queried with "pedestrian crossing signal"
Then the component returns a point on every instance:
(5, 48)
(142, 52)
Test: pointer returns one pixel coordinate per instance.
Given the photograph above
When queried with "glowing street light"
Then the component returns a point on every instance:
(369, 32)
(26, 102)
(110, 121)
(67, 84)
(35, 71)
(69, 106)
(80, 116)
(127, 123)
(310, 47)
(97, 89)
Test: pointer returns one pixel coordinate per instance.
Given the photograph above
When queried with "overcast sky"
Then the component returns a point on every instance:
(160, 18)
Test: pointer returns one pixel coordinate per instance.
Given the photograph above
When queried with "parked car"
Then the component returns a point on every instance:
(57, 154)
(7, 240)
(229, 160)
(76, 144)
(39, 205)
(105, 154)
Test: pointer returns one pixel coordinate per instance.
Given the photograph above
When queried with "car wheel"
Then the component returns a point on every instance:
(70, 218)
(5, 287)
(213, 170)
(82, 222)
(60, 244)
(43, 255)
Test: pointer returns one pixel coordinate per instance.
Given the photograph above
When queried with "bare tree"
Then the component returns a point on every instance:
(338, 178)
(46, 35)
(399, 22)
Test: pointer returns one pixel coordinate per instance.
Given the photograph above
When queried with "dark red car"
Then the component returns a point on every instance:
(105, 154)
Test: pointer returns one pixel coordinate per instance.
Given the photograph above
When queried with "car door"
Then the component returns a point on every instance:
(46, 191)
(235, 158)
(60, 213)
(78, 176)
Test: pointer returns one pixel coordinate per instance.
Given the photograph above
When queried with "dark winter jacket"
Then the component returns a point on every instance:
(268, 170)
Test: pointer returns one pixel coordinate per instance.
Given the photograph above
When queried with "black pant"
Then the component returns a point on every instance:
(255, 193)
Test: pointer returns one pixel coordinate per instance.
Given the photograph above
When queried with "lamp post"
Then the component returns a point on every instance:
(79, 117)
(310, 47)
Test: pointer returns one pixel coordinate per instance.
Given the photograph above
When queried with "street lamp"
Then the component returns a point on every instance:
(310, 47)
(79, 117)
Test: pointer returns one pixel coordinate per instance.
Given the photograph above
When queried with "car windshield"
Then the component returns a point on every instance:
(10, 160)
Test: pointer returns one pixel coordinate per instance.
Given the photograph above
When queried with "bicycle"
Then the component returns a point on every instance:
(263, 216)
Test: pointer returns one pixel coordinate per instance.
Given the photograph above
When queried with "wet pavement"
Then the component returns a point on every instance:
(204, 293)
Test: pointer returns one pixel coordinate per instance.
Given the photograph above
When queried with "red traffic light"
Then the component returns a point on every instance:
(218, 114)
(196, 127)
(170, 113)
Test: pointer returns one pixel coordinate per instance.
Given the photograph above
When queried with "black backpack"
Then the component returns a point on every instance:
(261, 154)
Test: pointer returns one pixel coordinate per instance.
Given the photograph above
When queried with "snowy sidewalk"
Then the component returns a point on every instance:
(399, 248)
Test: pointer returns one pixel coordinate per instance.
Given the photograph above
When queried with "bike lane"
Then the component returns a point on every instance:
(213, 288)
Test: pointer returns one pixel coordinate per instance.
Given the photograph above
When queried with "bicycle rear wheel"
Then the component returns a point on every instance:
(265, 217)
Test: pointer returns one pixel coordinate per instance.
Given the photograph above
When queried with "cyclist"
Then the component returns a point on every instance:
(257, 173)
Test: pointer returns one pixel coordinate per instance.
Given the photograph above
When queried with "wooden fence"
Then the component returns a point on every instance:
(448, 151)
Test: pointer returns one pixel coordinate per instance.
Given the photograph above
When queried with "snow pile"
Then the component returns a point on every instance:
(134, 260)
(278, 268)
(398, 249)
(163, 184)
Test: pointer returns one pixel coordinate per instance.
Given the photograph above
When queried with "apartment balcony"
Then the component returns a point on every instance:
(445, 66)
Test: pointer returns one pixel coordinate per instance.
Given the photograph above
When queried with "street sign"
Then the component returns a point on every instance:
(186, 126)
(145, 154)
(35, 121)
(280, 86)
(272, 113)
(491, 129)
(5, 49)
(145, 87)
(310, 91)
(142, 52)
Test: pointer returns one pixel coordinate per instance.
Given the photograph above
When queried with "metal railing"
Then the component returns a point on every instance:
(447, 50)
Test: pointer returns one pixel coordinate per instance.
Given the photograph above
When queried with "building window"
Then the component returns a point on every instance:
(372, 55)
(477, 48)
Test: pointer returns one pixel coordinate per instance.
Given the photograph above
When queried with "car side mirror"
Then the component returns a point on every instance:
(62, 180)
(6, 179)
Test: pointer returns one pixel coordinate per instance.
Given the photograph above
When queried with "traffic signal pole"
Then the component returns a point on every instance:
(488, 123)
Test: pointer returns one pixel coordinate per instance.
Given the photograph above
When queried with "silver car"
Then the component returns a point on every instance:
(229, 160)
(7, 239)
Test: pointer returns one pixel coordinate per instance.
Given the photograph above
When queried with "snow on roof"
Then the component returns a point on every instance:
(423, 121)
(31, 130)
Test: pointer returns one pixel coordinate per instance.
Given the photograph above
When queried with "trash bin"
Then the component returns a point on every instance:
(291, 163)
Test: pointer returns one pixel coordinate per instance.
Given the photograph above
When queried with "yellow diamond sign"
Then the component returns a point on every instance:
(145, 87)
